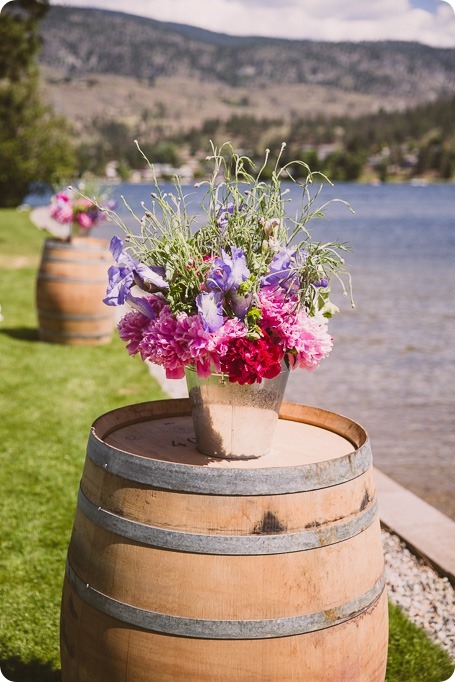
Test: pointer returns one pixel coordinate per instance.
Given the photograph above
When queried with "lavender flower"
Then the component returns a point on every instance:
(282, 272)
(210, 309)
(142, 305)
(240, 303)
(223, 280)
(128, 272)
(228, 273)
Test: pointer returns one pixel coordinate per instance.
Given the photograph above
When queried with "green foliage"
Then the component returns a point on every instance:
(34, 144)
(112, 140)
(343, 165)
(19, 39)
(426, 132)
(242, 211)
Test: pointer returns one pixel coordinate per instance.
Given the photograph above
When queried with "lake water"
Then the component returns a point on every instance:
(392, 367)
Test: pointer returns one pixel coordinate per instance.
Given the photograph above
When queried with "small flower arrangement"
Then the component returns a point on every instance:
(72, 213)
(64, 209)
(240, 295)
(79, 213)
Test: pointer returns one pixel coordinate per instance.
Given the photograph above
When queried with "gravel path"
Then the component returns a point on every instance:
(427, 599)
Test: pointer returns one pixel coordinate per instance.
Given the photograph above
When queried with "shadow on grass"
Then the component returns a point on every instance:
(35, 671)
(21, 333)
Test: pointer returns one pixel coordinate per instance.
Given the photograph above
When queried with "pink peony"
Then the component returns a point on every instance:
(131, 328)
(276, 305)
(176, 341)
(305, 338)
(190, 334)
(308, 339)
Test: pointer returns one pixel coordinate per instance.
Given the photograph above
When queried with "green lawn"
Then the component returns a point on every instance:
(50, 395)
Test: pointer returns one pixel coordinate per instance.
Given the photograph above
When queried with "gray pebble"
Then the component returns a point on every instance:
(426, 598)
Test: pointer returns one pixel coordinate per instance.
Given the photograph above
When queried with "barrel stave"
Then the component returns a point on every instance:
(70, 287)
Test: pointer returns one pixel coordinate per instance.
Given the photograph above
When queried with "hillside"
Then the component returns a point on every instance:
(162, 78)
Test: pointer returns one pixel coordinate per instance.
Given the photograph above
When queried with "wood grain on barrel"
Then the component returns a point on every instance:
(70, 288)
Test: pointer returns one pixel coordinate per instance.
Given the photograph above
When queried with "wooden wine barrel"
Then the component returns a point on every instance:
(186, 567)
(70, 288)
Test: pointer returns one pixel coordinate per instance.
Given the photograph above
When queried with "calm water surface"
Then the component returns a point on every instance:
(392, 367)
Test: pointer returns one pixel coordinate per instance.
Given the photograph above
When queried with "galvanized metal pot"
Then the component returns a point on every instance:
(232, 421)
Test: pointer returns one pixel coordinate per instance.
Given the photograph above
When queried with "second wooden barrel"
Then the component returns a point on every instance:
(185, 567)
(70, 288)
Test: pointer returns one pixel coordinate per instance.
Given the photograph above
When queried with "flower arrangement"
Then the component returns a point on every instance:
(70, 212)
(79, 213)
(65, 209)
(239, 295)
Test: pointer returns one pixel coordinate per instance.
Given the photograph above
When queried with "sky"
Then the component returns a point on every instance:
(425, 21)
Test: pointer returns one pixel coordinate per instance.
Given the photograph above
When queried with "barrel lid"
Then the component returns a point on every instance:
(154, 443)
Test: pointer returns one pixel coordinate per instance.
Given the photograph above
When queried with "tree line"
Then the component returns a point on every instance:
(386, 145)
(35, 145)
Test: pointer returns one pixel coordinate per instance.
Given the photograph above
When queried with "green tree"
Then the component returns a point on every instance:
(343, 166)
(34, 143)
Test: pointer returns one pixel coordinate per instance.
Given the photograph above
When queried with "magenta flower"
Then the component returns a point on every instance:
(61, 208)
(131, 328)
(84, 220)
(176, 341)
(276, 306)
(248, 361)
(219, 341)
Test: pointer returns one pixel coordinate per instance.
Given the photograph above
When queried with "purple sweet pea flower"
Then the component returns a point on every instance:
(228, 273)
(323, 282)
(223, 214)
(128, 272)
(282, 270)
(142, 305)
(240, 303)
(210, 309)
(121, 279)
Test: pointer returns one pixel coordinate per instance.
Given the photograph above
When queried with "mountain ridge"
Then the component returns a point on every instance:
(160, 77)
(146, 48)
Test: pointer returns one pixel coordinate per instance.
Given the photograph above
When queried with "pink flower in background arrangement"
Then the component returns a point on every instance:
(80, 213)
(61, 208)
(84, 220)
